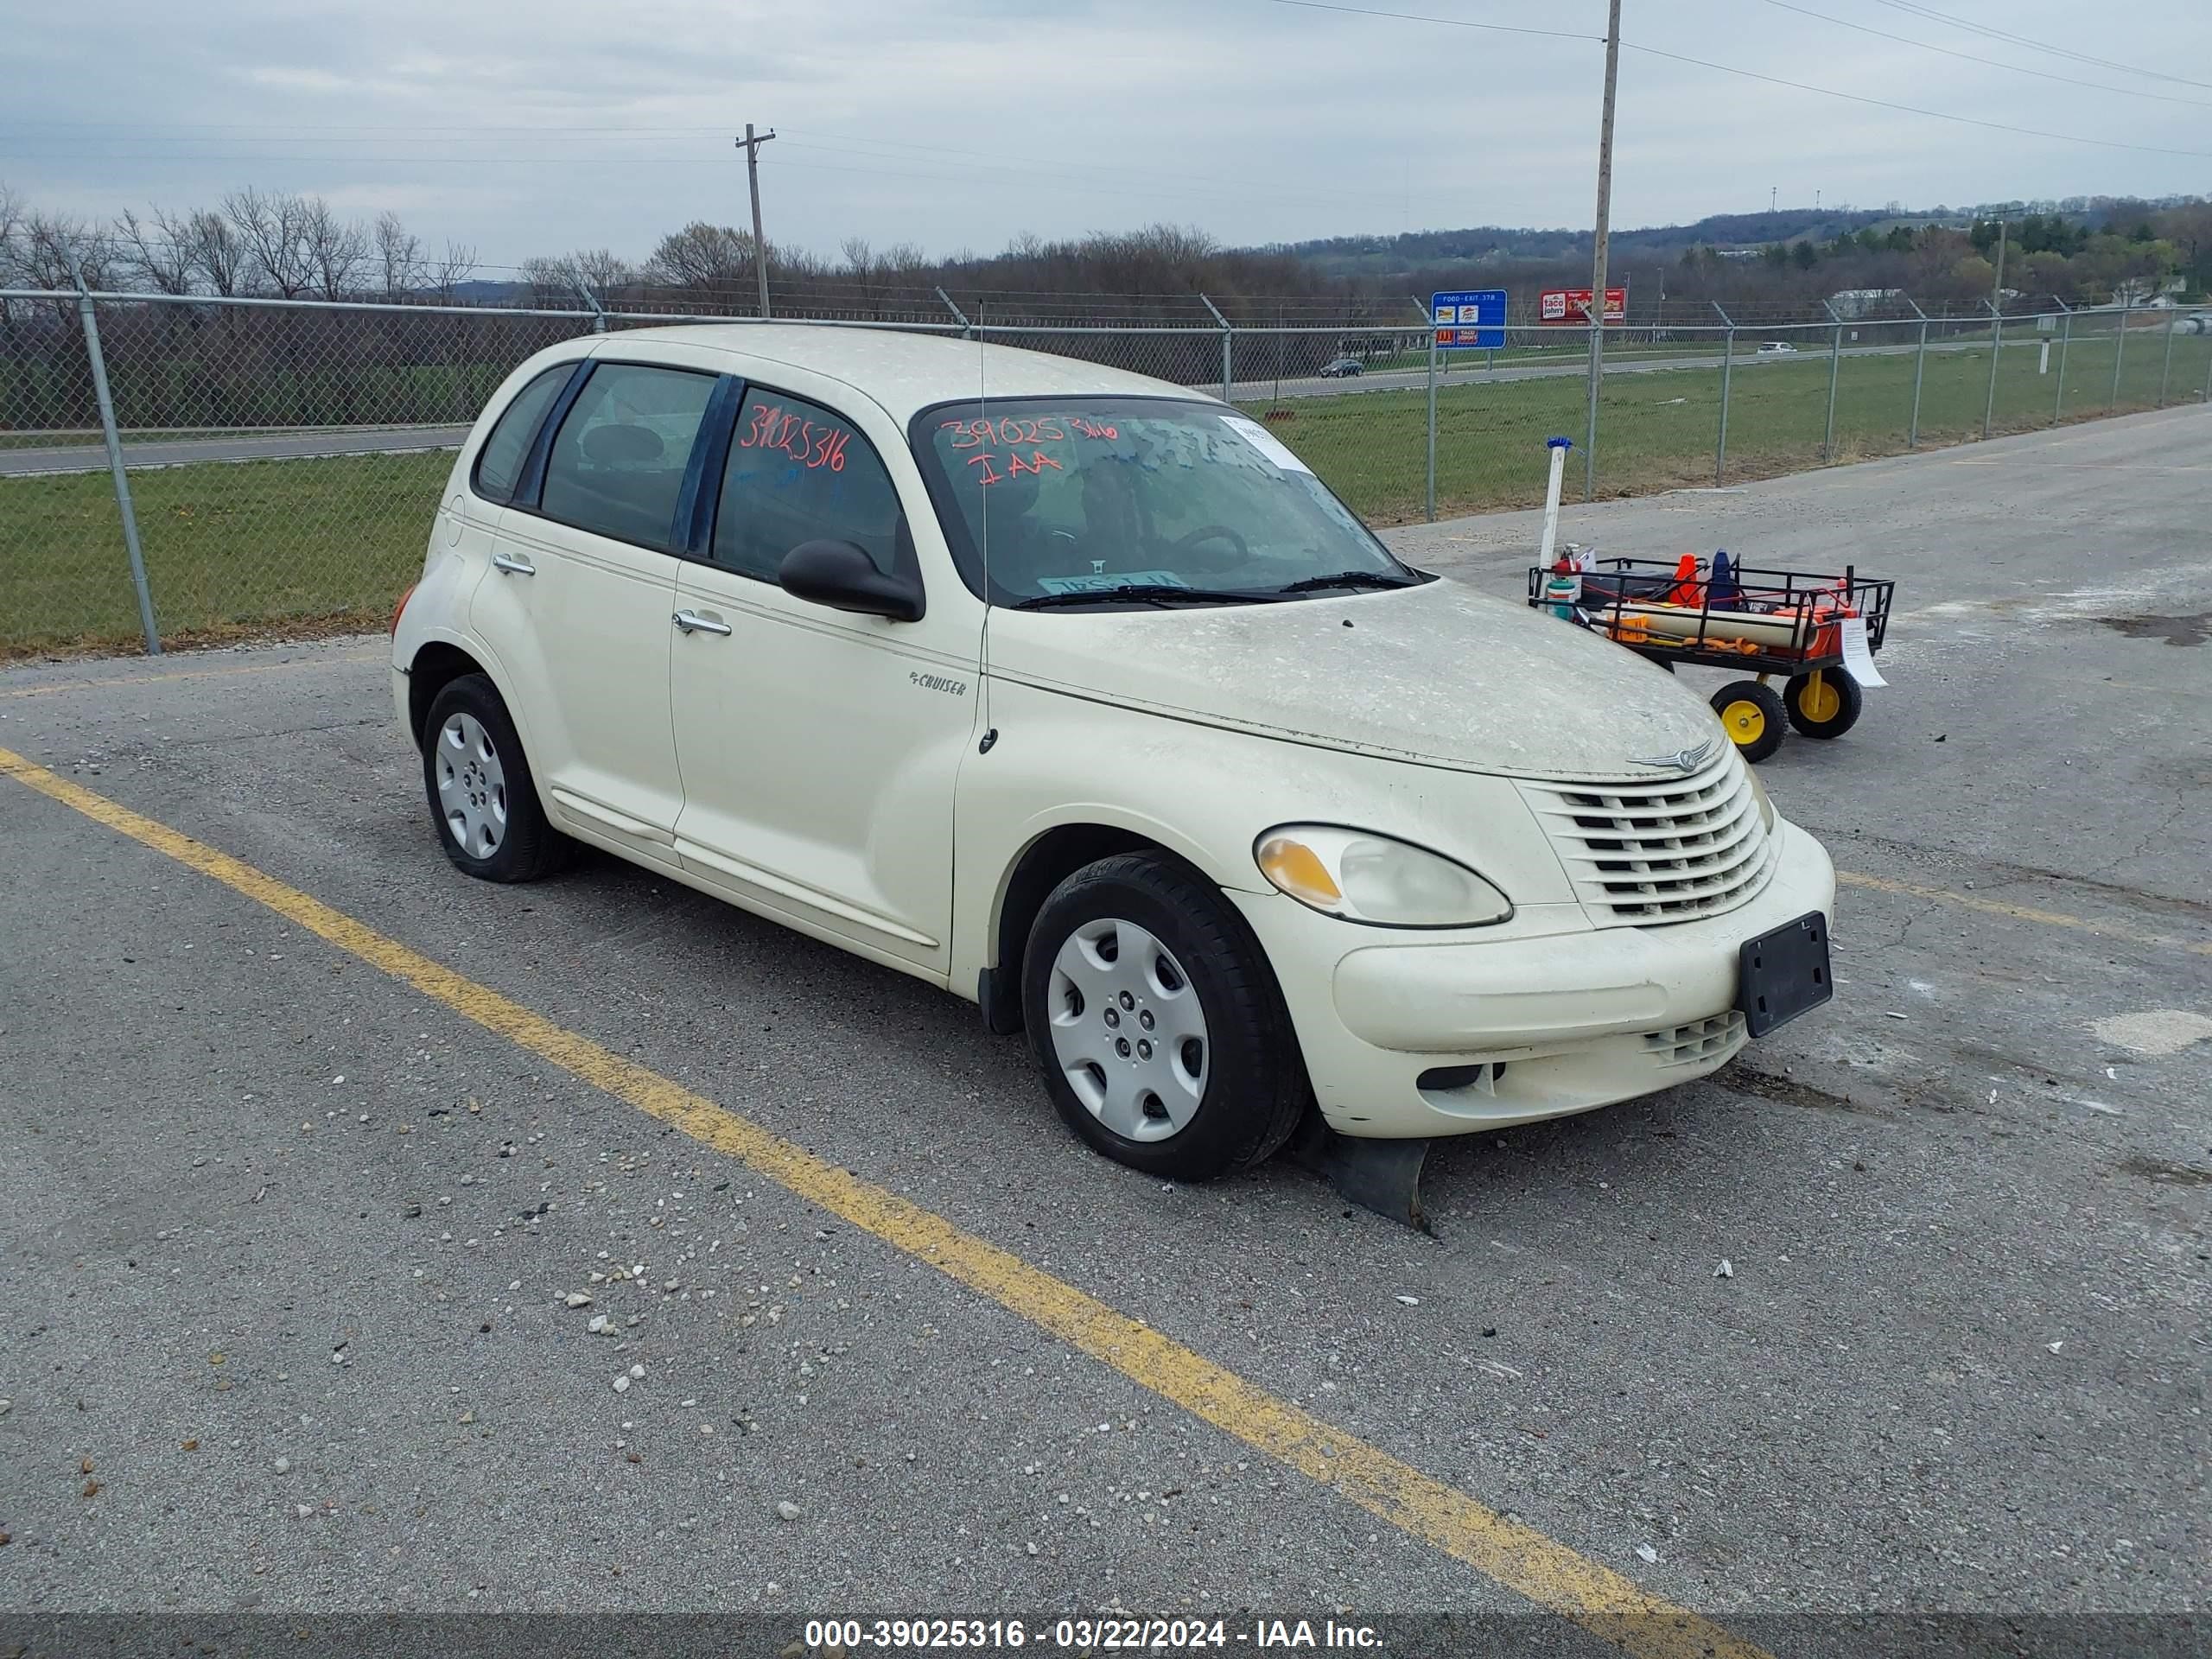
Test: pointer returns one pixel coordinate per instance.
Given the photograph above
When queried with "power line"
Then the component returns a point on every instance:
(1988, 32)
(1969, 57)
(1450, 23)
(1912, 109)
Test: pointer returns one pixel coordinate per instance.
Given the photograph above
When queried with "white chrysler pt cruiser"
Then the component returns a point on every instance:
(1076, 694)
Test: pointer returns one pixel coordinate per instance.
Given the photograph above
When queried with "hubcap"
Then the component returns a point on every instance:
(471, 786)
(1127, 1030)
(1744, 719)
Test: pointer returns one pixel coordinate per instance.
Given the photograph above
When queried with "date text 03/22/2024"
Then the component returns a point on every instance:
(1083, 1635)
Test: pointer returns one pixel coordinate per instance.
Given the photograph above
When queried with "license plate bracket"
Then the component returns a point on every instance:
(1783, 973)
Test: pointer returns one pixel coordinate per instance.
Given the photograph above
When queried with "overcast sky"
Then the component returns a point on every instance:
(536, 128)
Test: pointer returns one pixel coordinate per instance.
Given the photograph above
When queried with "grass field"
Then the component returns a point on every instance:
(234, 549)
(231, 548)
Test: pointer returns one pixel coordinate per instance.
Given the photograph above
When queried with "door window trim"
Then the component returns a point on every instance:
(701, 548)
(578, 368)
(529, 489)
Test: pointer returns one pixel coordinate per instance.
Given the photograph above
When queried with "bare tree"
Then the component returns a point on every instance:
(399, 256)
(703, 256)
(11, 236)
(156, 255)
(602, 269)
(54, 246)
(337, 250)
(217, 256)
(451, 269)
(272, 231)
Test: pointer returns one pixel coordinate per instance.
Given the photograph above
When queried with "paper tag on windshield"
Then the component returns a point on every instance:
(1858, 658)
(1100, 584)
(1266, 443)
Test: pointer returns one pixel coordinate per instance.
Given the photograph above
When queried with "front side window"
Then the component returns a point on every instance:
(499, 464)
(800, 473)
(1070, 501)
(616, 466)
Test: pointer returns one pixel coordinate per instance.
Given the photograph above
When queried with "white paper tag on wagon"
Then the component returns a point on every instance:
(1858, 656)
(1266, 443)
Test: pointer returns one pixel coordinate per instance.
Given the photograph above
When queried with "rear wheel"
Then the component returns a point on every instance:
(1753, 716)
(1827, 704)
(1162, 1036)
(482, 797)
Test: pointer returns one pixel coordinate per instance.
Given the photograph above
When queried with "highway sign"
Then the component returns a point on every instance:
(1473, 319)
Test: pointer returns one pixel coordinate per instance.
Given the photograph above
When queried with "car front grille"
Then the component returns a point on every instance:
(1657, 850)
(1698, 1041)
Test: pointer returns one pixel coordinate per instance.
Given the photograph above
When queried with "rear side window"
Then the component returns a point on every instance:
(616, 466)
(500, 463)
(800, 473)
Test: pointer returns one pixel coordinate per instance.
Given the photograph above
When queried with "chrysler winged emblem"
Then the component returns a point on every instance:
(1683, 760)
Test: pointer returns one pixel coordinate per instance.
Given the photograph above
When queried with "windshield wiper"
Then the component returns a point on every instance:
(1346, 579)
(1149, 592)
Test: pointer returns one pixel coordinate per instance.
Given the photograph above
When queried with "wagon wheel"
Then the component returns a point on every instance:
(1753, 716)
(1823, 703)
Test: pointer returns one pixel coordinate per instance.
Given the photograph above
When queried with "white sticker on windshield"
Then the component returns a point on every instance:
(1105, 583)
(1266, 443)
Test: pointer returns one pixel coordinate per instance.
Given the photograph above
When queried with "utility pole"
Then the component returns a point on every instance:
(1598, 248)
(751, 146)
(1997, 288)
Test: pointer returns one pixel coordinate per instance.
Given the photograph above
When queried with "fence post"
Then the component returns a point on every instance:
(598, 312)
(2208, 379)
(1996, 352)
(1835, 365)
(1919, 368)
(1727, 372)
(115, 458)
(958, 316)
(1432, 414)
(2118, 353)
(2166, 372)
(1228, 348)
(2065, 339)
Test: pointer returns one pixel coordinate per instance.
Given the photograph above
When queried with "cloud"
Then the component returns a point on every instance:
(526, 129)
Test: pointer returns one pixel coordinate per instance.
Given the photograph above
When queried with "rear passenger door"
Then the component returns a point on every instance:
(578, 603)
(819, 748)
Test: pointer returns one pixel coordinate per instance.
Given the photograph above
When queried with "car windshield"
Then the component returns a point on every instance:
(1131, 500)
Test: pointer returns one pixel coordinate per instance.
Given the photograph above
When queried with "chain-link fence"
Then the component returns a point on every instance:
(194, 470)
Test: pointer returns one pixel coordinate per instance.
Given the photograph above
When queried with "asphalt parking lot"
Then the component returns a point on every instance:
(292, 1234)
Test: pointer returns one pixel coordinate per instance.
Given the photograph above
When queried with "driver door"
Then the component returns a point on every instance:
(818, 748)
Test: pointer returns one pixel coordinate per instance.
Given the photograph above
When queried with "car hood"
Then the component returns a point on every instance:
(1437, 674)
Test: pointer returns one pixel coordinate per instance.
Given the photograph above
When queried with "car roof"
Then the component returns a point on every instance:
(904, 372)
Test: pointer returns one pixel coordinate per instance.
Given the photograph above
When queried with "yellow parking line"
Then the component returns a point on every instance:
(2019, 912)
(53, 686)
(1518, 1556)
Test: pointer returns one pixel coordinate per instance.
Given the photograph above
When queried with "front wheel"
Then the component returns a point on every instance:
(1161, 1035)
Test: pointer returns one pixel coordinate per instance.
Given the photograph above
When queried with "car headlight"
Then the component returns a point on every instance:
(1362, 877)
(1759, 794)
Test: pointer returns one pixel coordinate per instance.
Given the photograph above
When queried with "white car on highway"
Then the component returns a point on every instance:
(1776, 348)
(1076, 694)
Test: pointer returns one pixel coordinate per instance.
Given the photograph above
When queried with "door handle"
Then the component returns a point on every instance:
(692, 622)
(513, 566)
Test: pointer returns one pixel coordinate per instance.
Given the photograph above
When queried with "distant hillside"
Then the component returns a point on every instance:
(1382, 256)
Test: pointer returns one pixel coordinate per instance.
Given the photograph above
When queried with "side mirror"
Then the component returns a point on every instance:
(841, 577)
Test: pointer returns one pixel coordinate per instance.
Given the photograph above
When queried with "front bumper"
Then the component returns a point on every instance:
(1446, 1037)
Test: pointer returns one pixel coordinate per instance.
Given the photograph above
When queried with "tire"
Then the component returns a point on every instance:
(1834, 711)
(1115, 938)
(1753, 716)
(482, 797)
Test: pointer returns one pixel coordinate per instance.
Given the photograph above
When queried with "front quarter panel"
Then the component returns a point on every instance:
(1205, 794)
